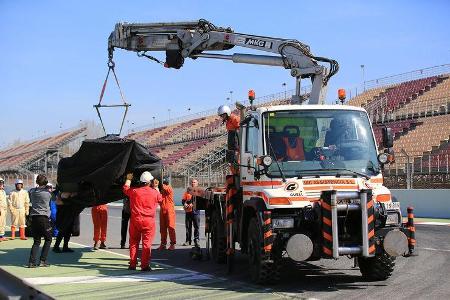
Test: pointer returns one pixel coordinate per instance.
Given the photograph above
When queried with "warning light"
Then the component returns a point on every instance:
(251, 95)
(341, 94)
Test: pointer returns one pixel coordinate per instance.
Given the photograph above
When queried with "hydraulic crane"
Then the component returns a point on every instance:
(181, 40)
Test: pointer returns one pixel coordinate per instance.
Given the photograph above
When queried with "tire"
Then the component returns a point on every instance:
(218, 239)
(261, 270)
(377, 268)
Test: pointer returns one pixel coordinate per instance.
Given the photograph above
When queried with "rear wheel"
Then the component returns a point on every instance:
(262, 271)
(218, 239)
(377, 268)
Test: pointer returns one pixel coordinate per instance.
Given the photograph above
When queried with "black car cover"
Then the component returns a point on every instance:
(95, 174)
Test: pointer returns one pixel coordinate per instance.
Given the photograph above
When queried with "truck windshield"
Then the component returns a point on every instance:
(320, 142)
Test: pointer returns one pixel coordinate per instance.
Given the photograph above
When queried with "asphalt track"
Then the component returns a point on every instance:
(103, 274)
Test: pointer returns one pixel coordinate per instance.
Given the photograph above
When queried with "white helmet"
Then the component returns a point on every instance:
(146, 177)
(49, 185)
(224, 109)
(1, 179)
(19, 181)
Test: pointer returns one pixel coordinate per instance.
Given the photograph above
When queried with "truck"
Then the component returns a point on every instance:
(309, 181)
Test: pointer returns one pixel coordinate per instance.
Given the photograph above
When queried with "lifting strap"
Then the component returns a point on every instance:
(111, 66)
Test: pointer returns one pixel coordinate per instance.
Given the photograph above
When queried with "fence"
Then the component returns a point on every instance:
(430, 171)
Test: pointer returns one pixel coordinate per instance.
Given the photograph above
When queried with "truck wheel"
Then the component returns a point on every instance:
(218, 239)
(261, 270)
(377, 268)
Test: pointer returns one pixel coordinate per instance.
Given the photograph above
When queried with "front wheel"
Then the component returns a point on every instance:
(218, 239)
(377, 268)
(261, 271)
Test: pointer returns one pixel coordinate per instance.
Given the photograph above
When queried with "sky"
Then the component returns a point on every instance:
(53, 55)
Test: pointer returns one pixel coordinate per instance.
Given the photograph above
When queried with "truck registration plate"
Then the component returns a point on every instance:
(392, 206)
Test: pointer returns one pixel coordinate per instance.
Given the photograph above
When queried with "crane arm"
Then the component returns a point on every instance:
(196, 39)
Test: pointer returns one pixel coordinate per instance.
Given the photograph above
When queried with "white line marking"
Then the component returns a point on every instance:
(145, 277)
(434, 249)
(432, 223)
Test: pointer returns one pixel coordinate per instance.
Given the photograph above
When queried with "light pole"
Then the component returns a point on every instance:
(363, 77)
(229, 101)
(169, 113)
(285, 91)
(154, 124)
(231, 96)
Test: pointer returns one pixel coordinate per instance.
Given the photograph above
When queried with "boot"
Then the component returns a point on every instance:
(95, 246)
(13, 232)
(22, 233)
(102, 245)
(162, 247)
(171, 247)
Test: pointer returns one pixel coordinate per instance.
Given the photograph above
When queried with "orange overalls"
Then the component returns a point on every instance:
(100, 219)
(143, 203)
(167, 216)
(232, 124)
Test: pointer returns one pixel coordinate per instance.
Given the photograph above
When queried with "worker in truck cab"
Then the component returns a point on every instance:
(192, 216)
(293, 144)
(19, 205)
(167, 216)
(143, 203)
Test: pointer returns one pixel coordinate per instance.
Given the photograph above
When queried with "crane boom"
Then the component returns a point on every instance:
(181, 40)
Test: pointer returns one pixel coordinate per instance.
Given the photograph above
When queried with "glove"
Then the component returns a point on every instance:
(129, 176)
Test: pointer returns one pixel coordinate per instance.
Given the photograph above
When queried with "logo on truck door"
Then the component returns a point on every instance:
(291, 187)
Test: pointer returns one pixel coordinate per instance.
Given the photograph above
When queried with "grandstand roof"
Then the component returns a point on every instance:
(17, 157)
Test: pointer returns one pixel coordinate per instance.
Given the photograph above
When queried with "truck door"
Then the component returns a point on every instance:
(249, 150)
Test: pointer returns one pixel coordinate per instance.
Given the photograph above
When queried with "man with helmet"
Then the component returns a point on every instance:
(143, 203)
(19, 205)
(232, 122)
(3, 209)
(167, 216)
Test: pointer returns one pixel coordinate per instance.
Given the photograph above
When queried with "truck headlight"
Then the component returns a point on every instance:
(283, 223)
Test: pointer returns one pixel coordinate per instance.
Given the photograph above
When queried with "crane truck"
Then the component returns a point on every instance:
(309, 184)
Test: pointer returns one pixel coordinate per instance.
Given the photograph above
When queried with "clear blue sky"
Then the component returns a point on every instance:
(53, 54)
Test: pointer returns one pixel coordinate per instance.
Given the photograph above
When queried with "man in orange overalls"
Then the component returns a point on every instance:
(167, 216)
(143, 203)
(100, 220)
(192, 216)
(232, 122)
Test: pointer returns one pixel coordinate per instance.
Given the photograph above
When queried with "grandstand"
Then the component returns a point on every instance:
(416, 105)
(39, 156)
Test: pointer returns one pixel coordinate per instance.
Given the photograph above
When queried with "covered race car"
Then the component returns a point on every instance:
(95, 174)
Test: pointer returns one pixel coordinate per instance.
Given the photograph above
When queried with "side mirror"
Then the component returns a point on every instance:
(388, 137)
(265, 161)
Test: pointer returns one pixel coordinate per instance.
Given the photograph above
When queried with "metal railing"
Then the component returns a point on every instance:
(399, 78)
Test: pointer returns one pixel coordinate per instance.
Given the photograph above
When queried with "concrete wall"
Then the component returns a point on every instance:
(426, 203)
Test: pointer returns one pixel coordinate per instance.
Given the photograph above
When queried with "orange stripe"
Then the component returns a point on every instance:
(383, 198)
(330, 187)
(412, 241)
(412, 229)
(327, 236)
(326, 205)
(370, 204)
(371, 233)
(376, 180)
(267, 248)
(411, 216)
(267, 222)
(372, 249)
(268, 234)
(261, 183)
(328, 181)
(327, 251)
(370, 219)
(326, 221)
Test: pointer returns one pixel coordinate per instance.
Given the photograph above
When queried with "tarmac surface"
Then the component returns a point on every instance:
(103, 273)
